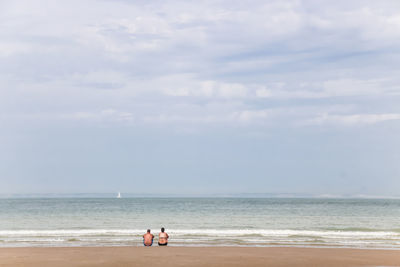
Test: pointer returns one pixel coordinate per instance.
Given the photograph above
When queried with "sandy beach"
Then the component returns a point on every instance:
(202, 256)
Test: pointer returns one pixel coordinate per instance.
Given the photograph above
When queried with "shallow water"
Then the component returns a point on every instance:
(362, 223)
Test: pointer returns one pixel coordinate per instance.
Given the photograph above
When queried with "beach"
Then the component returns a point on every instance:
(197, 256)
(203, 232)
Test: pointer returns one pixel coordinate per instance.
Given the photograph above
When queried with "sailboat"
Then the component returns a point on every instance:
(119, 195)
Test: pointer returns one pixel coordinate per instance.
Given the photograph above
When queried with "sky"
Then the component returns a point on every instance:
(200, 97)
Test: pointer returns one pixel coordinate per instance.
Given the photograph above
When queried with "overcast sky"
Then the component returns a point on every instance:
(200, 97)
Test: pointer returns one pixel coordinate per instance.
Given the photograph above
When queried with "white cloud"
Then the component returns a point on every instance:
(337, 88)
(13, 48)
(249, 116)
(106, 115)
(229, 90)
(263, 92)
(343, 87)
(186, 85)
(353, 119)
(200, 62)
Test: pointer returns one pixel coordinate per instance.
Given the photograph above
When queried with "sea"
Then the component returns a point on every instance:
(253, 222)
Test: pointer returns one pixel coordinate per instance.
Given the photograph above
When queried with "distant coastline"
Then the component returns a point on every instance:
(222, 195)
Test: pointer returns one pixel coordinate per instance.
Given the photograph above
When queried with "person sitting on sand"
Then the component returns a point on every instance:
(148, 239)
(163, 238)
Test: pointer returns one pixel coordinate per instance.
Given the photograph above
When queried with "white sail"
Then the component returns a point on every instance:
(119, 195)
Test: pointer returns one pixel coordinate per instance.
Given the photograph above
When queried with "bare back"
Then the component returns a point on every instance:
(148, 239)
(163, 238)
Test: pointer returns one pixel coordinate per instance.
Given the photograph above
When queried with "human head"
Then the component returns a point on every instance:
(148, 230)
(162, 229)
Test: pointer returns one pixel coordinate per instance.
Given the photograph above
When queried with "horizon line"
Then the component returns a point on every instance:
(196, 195)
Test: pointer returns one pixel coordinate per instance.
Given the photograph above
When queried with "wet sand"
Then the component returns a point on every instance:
(191, 256)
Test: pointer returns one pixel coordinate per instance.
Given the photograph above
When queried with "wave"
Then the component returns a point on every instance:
(361, 229)
(206, 237)
(204, 232)
(71, 232)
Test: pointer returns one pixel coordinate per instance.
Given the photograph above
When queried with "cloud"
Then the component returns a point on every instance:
(8, 48)
(257, 79)
(252, 115)
(103, 115)
(337, 88)
(263, 92)
(353, 119)
(187, 85)
(200, 62)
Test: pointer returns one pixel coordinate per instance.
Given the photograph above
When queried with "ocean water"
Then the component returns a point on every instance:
(359, 223)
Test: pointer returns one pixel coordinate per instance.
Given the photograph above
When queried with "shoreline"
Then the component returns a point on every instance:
(204, 246)
(196, 256)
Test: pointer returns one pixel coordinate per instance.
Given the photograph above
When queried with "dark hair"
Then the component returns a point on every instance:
(148, 230)
(162, 229)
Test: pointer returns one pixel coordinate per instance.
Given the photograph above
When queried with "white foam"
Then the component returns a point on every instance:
(68, 232)
(212, 237)
(204, 232)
